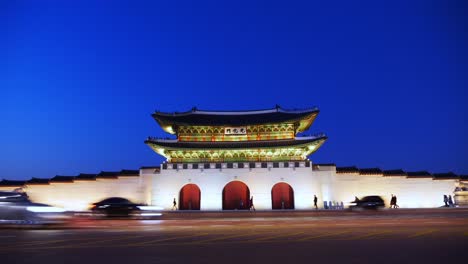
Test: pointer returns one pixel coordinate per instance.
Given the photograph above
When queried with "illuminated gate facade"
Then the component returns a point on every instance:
(233, 155)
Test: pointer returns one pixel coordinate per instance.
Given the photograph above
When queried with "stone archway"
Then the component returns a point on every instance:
(189, 197)
(236, 196)
(282, 196)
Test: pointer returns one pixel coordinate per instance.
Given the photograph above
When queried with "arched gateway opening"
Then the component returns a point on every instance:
(189, 197)
(236, 195)
(282, 196)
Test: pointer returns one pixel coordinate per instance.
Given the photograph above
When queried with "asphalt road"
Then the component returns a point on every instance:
(400, 236)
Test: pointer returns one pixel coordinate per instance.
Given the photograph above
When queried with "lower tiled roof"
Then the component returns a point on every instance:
(12, 183)
(351, 169)
(445, 176)
(60, 178)
(400, 172)
(129, 173)
(419, 174)
(38, 181)
(108, 174)
(370, 171)
(394, 173)
(86, 177)
(70, 179)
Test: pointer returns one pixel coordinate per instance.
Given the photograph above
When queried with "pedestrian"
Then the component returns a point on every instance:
(395, 204)
(392, 201)
(252, 207)
(315, 202)
(174, 205)
(450, 201)
(446, 200)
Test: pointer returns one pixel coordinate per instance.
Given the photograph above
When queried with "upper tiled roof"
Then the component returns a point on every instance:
(197, 117)
(233, 144)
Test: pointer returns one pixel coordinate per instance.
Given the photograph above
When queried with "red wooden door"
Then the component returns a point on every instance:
(236, 195)
(282, 196)
(189, 197)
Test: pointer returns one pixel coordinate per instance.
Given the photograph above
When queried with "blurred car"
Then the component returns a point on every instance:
(116, 206)
(368, 202)
(122, 207)
(17, 209)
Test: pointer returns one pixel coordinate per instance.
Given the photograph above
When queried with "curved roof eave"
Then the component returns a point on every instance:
(297, 143)
(169, 122)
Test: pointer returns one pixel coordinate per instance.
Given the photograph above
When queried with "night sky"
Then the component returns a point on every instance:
(79, 81)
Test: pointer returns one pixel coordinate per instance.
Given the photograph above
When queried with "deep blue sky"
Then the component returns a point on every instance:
(79, 81)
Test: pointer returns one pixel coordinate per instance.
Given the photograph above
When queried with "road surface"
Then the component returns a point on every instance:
(399, 236)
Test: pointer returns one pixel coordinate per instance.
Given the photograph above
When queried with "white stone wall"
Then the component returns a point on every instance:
(411, 192)
(80, 194)
(325, 183)
(160, 188)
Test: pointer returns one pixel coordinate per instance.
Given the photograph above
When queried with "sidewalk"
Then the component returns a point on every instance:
(185, 214)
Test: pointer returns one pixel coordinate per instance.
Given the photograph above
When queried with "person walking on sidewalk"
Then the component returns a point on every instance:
(252, 207)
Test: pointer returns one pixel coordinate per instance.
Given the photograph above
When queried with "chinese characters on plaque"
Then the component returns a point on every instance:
(235, 131)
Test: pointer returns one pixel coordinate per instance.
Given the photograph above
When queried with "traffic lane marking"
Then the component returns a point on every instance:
(423, 233)
(93, 243)
(273, 237)
(152, 242)
(327, 234)
(44, 242)
(221, 238)
(368, 235)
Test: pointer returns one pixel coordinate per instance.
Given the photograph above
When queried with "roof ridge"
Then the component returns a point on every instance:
(195, 110)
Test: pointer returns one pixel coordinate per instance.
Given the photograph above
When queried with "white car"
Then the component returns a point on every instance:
(17, 209)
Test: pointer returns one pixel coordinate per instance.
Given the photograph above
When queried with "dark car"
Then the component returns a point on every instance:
(368, 202)
(116, 206)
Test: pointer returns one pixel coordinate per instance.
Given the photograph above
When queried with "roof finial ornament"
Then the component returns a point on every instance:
(277, 106)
